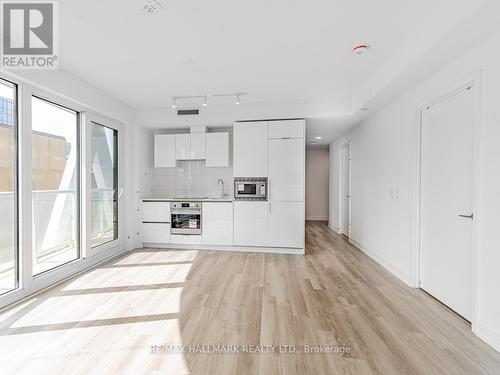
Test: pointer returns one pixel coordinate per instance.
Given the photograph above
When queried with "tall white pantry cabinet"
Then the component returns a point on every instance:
(276, 150)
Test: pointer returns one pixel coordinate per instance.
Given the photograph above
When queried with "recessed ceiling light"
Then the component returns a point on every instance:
(318, 138)
(361, 49)
(150, 6)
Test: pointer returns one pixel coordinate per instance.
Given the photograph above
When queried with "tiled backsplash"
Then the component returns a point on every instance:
(191, 179)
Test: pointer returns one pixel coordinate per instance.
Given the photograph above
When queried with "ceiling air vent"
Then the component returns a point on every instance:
(188, 112)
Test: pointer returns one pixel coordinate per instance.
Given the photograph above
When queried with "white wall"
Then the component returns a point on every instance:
(317, 183)
(385, 157)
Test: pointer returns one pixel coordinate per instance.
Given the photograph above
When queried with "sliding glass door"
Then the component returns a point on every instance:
(8, 188)
(104, 184)
(56, 185)
(60, 188)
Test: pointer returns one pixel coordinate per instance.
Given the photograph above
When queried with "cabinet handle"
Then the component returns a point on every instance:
(270, 209)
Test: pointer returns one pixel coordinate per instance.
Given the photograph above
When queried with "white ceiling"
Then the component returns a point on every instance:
(292, 56)
(275, 50)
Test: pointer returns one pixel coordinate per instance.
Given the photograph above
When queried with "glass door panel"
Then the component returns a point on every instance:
(8, 188)
(104, 184)
(56, 185)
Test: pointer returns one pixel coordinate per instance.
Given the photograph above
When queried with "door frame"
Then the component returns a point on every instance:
(346, 145)
(89, 118)
(471, 81)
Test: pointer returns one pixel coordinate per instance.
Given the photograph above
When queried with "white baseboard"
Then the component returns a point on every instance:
(335, 229)
(244, 249)
(400, 274)
(316, 218)
(487, 335)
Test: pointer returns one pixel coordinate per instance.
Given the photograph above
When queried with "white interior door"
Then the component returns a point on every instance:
(346, 189)
(446, 194)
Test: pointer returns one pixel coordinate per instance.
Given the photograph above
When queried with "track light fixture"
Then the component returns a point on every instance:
(175, 99)
(238, 96)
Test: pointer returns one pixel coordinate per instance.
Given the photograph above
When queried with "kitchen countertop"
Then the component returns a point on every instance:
(156, 199)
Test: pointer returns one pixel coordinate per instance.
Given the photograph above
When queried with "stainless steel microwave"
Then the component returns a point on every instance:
(250, 188)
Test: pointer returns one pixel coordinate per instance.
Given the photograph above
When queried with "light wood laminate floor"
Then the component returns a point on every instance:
(106, 321)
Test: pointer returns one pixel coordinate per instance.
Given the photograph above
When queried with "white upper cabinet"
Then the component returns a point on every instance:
(286, 170)
(286, 224)
(287, 129)
(217, 149)
(250, 149)
(183, 146)
(197, 146)
(164, 151)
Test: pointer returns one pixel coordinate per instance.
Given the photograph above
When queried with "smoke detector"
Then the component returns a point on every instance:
(150, 6)
(361, 49)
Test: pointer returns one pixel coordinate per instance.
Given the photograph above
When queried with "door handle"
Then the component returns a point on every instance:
(348, 196)
(471, 216)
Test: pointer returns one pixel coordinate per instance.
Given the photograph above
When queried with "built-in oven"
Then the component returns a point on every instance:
(185, 218)
(250, 188)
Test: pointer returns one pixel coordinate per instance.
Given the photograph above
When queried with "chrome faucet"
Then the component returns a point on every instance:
(221, 191)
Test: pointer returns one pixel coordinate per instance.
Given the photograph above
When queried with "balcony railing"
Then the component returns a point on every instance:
(55, 226)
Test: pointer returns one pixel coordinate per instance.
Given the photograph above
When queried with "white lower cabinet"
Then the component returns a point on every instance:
(250, 223)
(244, 223)
(181, 239)
(156, 212)
(217, 225)
(286, 224)
(156, 233)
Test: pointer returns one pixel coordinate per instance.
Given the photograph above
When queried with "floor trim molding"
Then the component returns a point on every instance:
(396, 271)
(243, 249)
(335, 229)
(486, 334)
(316, 218)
